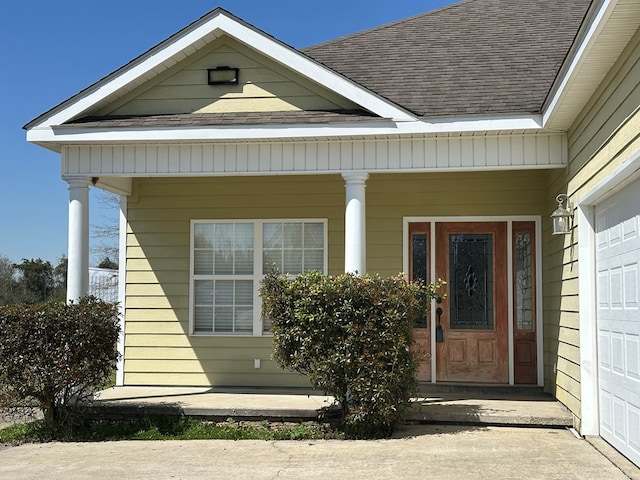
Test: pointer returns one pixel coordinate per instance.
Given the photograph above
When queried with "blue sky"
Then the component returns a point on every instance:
(51, 50)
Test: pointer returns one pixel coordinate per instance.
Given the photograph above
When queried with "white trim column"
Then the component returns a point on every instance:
(122, 263)
(355, 240)
(78, 249)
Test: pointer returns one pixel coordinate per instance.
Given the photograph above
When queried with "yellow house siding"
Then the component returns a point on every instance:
(158, 349)
(263, 85)
(601, 138)
(391, 197)
(617, 97)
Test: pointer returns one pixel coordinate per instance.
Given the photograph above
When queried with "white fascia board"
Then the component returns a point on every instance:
(129, 76)
(248, 133)
(561, 88)
(215, 27)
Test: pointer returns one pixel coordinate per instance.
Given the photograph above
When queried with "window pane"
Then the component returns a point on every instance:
(223, 262)
(203, 292)
(203, 319)
(292, 235)
(244, 292)
(243, 254)
(203, 235)
(224, 319)
(203, 262)
(314, 260)
(419, 257)
(292, 262)
(244, 319)
(271, 259)
(244, 235)
(313, 235)
(224, 292)
(272, 235)
(523, 266)
(224, 237)
(244, 262)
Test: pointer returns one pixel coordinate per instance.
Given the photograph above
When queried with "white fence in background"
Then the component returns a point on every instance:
(103, 284)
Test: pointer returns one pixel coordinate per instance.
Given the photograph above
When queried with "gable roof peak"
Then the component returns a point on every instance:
(189, 39)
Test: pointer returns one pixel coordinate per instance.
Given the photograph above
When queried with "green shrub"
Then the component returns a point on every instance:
(57, 353)
(351, 335)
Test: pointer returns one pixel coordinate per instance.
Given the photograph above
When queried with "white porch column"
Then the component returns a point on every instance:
(78, 250)
(355, 245)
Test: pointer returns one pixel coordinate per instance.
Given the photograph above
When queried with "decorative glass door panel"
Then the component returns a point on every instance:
(524, 304)
(472, 258)
(471, 281)
(419, 234)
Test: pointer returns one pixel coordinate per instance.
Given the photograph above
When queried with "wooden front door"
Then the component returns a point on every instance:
(472, 320)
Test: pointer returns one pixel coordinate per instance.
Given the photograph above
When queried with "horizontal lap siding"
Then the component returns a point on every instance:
(263, 85)
(158, 349)
(394, 196)
(603, 136)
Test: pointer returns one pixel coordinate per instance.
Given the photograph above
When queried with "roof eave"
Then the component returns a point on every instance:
(601, 39)
(61, 135)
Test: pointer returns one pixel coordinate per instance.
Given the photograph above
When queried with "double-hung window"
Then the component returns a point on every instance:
(230, 258)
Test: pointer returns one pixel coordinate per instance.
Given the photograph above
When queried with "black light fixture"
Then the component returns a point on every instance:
(562, 216)
(222, 75)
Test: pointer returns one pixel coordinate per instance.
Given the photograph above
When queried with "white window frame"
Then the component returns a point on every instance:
(258, 225)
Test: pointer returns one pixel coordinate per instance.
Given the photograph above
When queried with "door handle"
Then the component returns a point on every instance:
(439, 330)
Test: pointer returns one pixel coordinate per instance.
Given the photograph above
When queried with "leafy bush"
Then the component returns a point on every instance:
(351, 335)
(57, 353)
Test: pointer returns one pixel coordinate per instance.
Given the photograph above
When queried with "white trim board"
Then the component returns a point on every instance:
(62, 134)
(398, 155)
(625, 174)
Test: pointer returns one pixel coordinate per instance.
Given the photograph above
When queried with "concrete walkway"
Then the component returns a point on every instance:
(476, 448)
(416, 452)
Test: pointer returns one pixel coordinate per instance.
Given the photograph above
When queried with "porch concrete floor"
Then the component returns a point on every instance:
(431, 407)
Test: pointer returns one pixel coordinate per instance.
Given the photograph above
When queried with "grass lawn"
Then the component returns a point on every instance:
(165, 428)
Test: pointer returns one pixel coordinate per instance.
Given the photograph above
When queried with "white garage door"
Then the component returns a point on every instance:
(618, 262)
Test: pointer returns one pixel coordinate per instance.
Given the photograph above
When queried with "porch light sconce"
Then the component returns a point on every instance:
(562, 216)
(222, 75)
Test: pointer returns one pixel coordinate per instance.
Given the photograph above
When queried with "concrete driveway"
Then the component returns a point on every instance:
(416, 452)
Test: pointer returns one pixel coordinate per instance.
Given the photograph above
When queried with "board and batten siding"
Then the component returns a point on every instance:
(158, 349)
(455, 152)
(604, 135)
(263, 86)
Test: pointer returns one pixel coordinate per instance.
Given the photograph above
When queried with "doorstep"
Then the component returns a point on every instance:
(469, 405)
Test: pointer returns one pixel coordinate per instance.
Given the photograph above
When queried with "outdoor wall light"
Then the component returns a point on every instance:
(222, 76)
(562, 216)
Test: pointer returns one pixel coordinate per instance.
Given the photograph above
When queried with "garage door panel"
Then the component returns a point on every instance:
(630, 272)
(618, 319)
(633, 357)
(634, 431)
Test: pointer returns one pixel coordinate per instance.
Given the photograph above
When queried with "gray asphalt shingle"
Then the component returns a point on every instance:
(471, 58)
(232, 118)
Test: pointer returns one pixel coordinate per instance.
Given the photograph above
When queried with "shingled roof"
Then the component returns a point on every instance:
(231, 118)
(476, 57)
